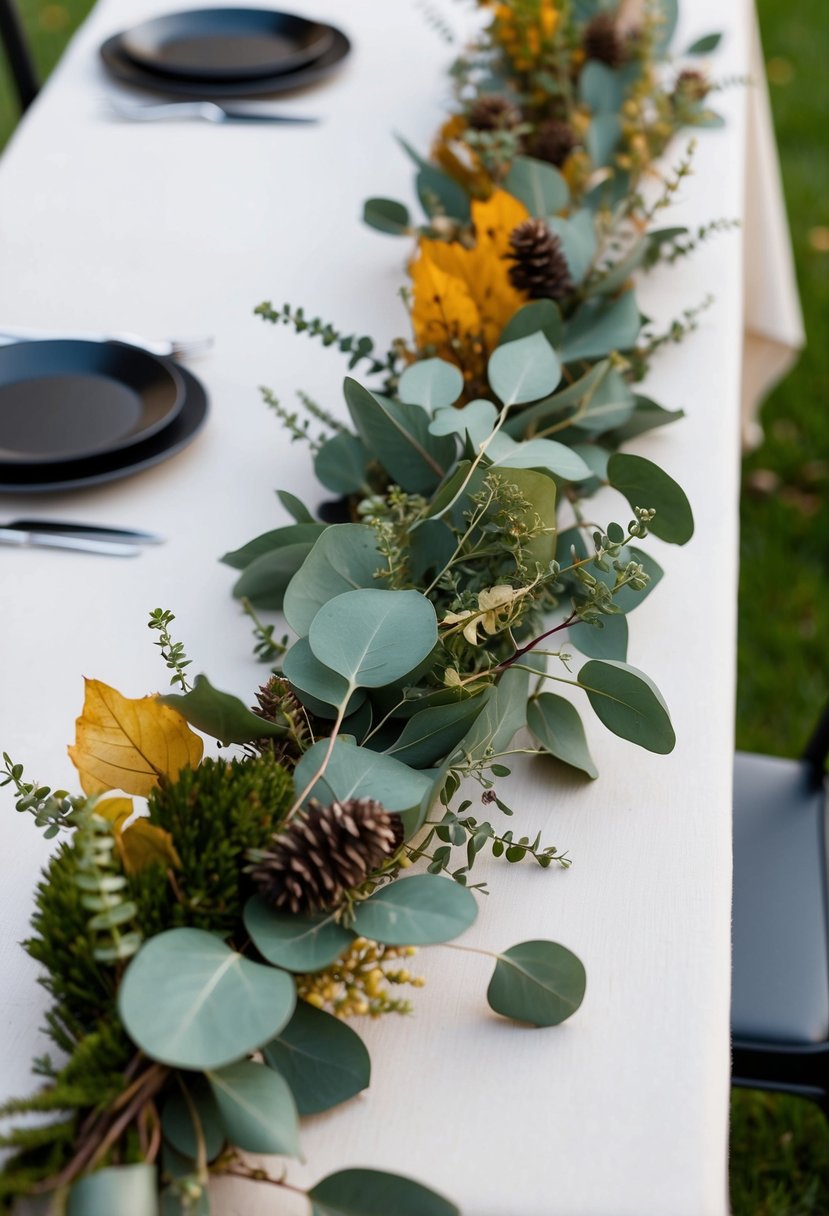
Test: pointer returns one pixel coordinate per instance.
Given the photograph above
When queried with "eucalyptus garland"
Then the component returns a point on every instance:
(204, 946)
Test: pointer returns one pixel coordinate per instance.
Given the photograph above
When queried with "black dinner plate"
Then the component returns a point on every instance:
(65, 400)
(110, 466)
(226, 43)
(119, 65)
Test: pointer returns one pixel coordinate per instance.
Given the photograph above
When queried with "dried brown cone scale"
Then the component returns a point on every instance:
(602, 41)
(491, 112)
(539, 266)
(554, 141)
(324, 852)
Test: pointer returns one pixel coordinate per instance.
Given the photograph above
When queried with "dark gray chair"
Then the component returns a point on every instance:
(20, 61)
(780, 1001)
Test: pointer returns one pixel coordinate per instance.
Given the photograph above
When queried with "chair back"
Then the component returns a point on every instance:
(20, 60)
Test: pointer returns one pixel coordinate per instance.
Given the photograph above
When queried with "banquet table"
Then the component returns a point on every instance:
(182, 228)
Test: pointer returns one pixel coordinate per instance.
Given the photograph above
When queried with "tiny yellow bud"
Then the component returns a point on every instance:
(314, 998)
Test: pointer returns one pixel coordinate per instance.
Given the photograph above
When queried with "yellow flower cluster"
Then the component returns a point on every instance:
(525, 30)
(356, 985)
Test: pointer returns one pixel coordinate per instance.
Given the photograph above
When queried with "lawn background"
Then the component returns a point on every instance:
(780, 1146)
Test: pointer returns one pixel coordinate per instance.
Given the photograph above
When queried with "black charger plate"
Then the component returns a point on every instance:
(65, 400)
(110, 466)
(226, 43)
(119, 65)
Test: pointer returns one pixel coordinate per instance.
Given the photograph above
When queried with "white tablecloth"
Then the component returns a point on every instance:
(183, 229)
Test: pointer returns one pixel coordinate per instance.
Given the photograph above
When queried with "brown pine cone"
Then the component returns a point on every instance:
(601, 40)
(539, 266)
(554, 141)
(491, 112)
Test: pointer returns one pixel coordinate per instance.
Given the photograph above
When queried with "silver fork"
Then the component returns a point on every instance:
(172, 348)
(207, 111)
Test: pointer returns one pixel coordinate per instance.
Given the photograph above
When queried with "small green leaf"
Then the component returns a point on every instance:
(538, 982)
(344, 557)
(187, 1000)
(704, 46)
(539, 186)
(386, 215)
(579, 242)
(431, 383)
(312, 679)
(606, 641)
(537, 317)
(556, 725)
(603, 136)
(374, 637)
(433, 733)
(360, 1192)
(644, 484)
(629, 704)
(257, 1108)
(358, 772)
(341, 462)
(221, 715)
(598, 327)
(177, 1119)
(118, 1190)
(418, 911)
(266, 579)
(297, 943)
(570, 401)
(321, 1058)
(600, 88)
(557, 458)
(440, 194)
(397, 434)
(524, 370)
(295, 507)
(303, 533)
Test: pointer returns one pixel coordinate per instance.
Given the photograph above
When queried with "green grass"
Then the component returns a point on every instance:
(780, 1146)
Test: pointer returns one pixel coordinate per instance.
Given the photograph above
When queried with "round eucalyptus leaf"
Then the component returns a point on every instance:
(539, 186)
(358, 772)
(475, 419)
(607, 639)
(542, 454)
(257, 1108)
(308, 675)
(539, 316)
(321, 1058)
(432, 383)
(556, 725)
(374, 637)
(361, 1192)
(344, 557)
(340, 463)
(188, 1000)
(524, 370)
(598, 327)
(177, 1119)
(129, 1190)
(386, 215)
(644, 484)
(629, 704)
(297, 943)
(537, 982)
(418, 911)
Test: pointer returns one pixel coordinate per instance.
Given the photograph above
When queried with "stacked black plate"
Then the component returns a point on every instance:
(75, 414)
(213, 53)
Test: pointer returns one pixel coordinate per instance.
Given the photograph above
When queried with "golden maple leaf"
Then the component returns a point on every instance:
(463, 298)
(140, 843)
(124, 744)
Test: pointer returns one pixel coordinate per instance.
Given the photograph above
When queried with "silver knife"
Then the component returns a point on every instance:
(56, 527)
(54, 540)
(207, 111)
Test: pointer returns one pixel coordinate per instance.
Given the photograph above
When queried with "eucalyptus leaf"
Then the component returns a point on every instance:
(440, 194)
(475, 419)
(667, 12)
(266, 579)
(504, 714)
(360, 1192)
(537, 317)
(557, 458)
(257, 1108)
(644, 484)
(539, 186)
(538, 982)
(221, 715)
(608, 640)
(295, 507)
(540, 491)
(647, 416)
(431, 546)
(629, 704)
(570, 401)
(705, 45)
(374, 637)
(578, 241)
(610, 406)
(316, 683)
(117, 1190)
(177, 1119)
(603, 136)
(322, 1059)
(189, 1001)
(358, 772)
(387, 215)
(397, 434)
(433, 733)
(556, 724)
(297, 943)
(598, 327)
(344, 557)
(304, 533)
(600, 88)
(524, 370)
(616, 278)
(431, 383)
(418, 911)
(341, 463)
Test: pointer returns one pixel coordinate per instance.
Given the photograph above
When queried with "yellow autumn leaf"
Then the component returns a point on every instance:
(126, 744)
(141, 843)
(443, 312)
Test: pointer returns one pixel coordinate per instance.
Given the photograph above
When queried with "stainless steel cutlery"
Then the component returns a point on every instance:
(206, 111)
(86, 538)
